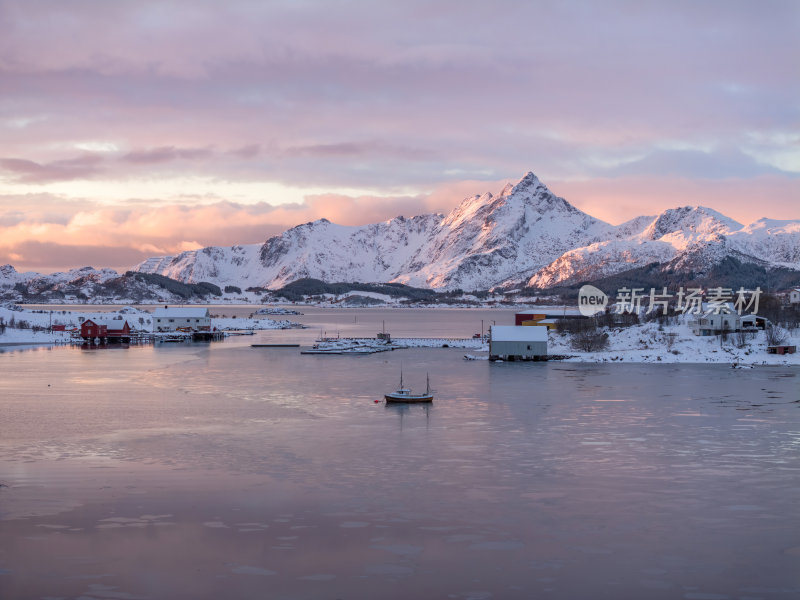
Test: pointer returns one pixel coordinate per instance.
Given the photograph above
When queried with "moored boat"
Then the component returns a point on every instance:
(404, 394)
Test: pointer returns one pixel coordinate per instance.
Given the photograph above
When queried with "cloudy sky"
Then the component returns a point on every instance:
(131, 129)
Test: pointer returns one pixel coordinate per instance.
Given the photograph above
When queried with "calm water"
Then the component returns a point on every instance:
(225, 471)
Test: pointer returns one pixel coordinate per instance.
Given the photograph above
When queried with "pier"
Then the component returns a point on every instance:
(432, 342)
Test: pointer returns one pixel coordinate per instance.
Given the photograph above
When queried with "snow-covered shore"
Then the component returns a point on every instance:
(646, 343)
(37, 323)
(26, 337)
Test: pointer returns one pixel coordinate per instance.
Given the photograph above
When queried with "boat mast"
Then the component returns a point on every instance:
(428, 381)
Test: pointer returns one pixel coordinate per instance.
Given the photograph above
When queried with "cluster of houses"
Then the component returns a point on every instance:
(527, 338)
(716, 323)
(165, 320)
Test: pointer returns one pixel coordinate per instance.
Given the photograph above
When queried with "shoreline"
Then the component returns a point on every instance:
(572, 359)
(646, 343)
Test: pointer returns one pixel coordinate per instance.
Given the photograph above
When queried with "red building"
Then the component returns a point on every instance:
(105, 329)
(528, 318)
(553, 312)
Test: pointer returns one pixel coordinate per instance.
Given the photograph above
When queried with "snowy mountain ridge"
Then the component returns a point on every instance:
(525, 235)
(484, 241)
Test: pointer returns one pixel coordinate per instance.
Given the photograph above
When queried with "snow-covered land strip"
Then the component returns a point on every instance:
(647, 343)
(467, 343)
(245, 323)
(403, 343)
(29, 337)
(375, 295)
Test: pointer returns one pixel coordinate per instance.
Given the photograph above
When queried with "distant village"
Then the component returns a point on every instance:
(716, 332)
(775, 325)
(128, 325)
(193, 322)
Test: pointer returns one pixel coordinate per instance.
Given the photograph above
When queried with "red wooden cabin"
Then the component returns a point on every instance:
(104, 329)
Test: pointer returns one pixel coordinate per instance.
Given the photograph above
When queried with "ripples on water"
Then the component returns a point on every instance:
(227, 471)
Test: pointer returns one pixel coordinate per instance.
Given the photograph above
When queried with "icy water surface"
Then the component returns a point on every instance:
(225, 471)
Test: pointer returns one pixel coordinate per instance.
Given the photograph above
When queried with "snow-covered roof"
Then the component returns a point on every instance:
(109, 323)
(180, 312)
(726, 308)
(524, 333)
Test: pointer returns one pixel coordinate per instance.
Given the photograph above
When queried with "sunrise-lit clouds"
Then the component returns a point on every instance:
(47, 233)
(138, 128)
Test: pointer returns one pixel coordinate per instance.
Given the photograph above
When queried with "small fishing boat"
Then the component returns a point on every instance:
(404, 394)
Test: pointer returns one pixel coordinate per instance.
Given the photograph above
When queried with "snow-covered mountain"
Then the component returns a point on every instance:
(83, 278)
(525, 235)
(99, 286)
(484, 241)
(772, 240)
(662, 238)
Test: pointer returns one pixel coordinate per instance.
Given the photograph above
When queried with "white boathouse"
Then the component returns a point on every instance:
(510, 342)
(184, 318)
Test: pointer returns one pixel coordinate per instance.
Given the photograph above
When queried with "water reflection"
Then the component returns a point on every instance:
(224, 471)
(413, 412)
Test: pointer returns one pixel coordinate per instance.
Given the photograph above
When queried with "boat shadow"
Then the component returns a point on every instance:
(410, 411)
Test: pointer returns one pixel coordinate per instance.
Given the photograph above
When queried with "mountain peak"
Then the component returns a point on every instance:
(530, 179)
(775, 225)
(529, 183)
(531, 193)
(691, 219)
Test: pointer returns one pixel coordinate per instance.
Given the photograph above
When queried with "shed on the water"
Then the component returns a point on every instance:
(174, 318)
(517, 343)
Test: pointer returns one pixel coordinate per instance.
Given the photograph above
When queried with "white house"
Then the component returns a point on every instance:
(171, 319)
(712, 323)
(510, 342)
(794, 296)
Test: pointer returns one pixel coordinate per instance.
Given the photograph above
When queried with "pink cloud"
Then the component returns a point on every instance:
(364, 95)
(28, 171)
(166, 154)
